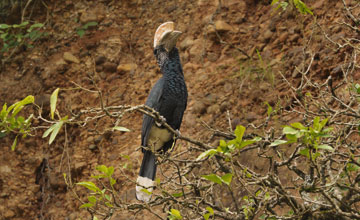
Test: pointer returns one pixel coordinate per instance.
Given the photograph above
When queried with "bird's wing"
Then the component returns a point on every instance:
(153, 101)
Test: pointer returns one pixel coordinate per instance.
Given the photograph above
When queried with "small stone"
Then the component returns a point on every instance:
(267, 36)
(90, 139)
(80, 165)
(92, 147)
(87, 17)
(222, 26)
(212, 57)
(187, 42)
(283, 37)
(250, 117)
(235, 122)
(126, 68)
(9, 214)
(199, 108)
(100, 60)
(109, 67)
(5, 169)
(69, 57)
(213, 109)
(98, 139)
(294, 38)
(42, 100)
(224, 106)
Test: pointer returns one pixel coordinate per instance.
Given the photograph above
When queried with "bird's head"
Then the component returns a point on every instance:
(166, 36)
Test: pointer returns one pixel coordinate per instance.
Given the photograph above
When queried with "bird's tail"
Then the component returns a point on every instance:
(146, 176)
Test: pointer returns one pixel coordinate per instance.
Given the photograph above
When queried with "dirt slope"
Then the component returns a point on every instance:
(117, 56)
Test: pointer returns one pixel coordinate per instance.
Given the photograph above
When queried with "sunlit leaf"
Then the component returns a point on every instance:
(86, 205)
(210, 153)
(146, 191)
(14, 143)
(325, 147)
(278, 142)
(227, 178)
(56, 130)
(90, 185)
(119, 128)
(92, 199)
(213, 178)
(289, 130)
(177, 194)
(239, 132)
(53, 100)
(175, 213)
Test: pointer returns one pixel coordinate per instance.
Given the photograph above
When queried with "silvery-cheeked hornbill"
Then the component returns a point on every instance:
(169, 98)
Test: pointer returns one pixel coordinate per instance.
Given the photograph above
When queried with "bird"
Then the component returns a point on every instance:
(169, 98)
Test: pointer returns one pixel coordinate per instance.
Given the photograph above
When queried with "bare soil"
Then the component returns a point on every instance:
(116, 57)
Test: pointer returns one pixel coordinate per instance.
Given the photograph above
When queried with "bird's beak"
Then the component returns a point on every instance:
(166, 35)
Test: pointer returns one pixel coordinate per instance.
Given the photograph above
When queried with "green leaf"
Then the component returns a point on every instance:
(357, 87)
(305, 152)
(213, 178)
(86, 205)
(176, 195)
(299, 126)
(89, 24)
(108, 204)
(210, 210)
(90, 185)
(175, 213)
(48, 131)
(102, 168)
(248, 142)
(278, 142)
(56, 130)
(14, 143)
(53, 100)
(227, 178)
(325, 147)
(37, 25)
(289, 130)
(146, 191)
(112, 181)
(119, 128)
(92, 199)
(80, 32)
(269, 109)
(239, 132)
(204, 154)
(206, 216)
(20, 25)
(4, 26)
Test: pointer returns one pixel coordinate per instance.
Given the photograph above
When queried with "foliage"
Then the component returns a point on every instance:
(10, 122)
(55, 128)
(19, 34)
(81, 30)
(300, 5)
(99, 196)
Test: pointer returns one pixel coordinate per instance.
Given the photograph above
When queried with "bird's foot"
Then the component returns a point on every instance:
(177, 133)
(161, 121)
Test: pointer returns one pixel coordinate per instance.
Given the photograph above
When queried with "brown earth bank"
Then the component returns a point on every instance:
(116, 57)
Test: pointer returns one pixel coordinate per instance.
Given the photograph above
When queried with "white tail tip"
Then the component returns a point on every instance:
(144, 183)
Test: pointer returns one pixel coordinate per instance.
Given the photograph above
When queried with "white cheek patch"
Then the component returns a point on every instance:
(158, 137)
(144, 183)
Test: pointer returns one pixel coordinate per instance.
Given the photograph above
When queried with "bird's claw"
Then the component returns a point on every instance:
(161, 121)
(177, 133)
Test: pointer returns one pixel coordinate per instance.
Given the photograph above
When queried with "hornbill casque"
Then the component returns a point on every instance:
(169, 98)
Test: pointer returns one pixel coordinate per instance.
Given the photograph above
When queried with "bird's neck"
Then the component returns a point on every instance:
(170, 62)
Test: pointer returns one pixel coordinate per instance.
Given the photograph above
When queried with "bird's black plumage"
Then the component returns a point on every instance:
(169, 97)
